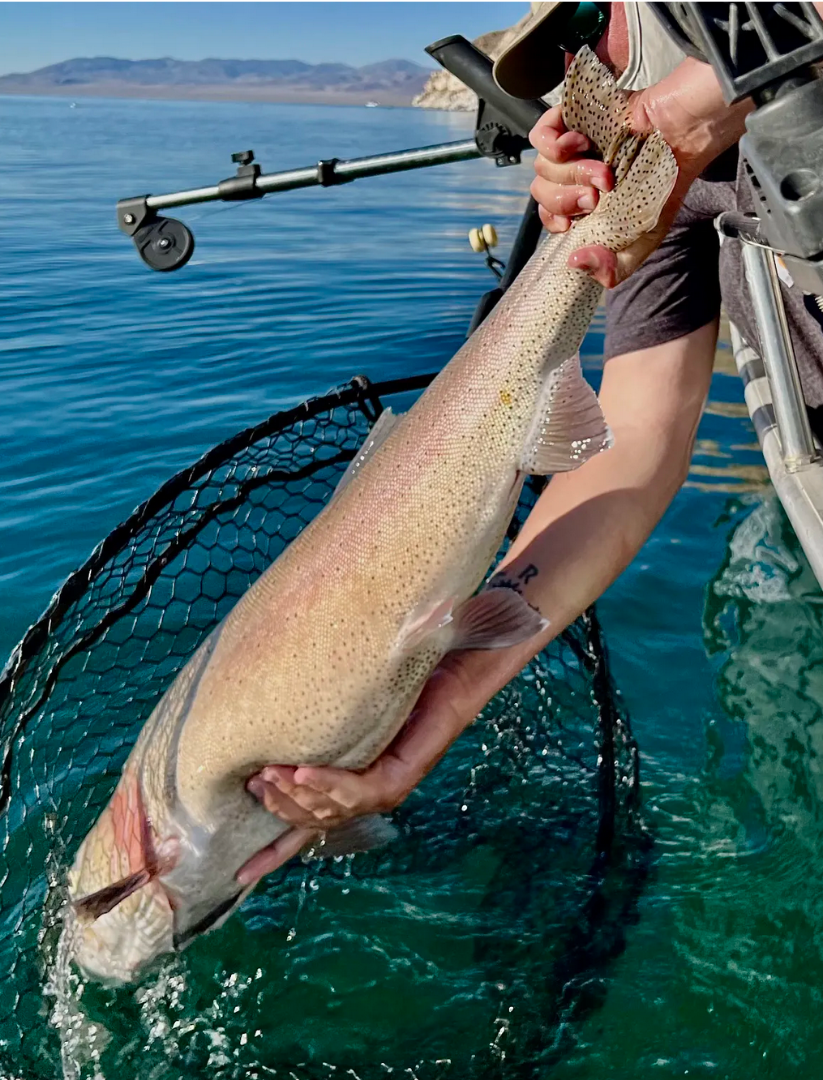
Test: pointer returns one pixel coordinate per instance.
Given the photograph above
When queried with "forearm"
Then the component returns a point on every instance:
(589, 524)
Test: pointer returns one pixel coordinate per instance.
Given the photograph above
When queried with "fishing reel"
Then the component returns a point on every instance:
(163, 243)
(166, 244)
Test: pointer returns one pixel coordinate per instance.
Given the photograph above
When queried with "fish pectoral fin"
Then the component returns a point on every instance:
(359, 834)
(570, 427)
(383, 427)
(494, 619)
(211, 921)
(104, 900)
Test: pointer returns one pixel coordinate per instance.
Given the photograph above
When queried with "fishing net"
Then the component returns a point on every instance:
(468, 947)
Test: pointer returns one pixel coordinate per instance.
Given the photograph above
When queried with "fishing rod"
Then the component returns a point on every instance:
(501, 134)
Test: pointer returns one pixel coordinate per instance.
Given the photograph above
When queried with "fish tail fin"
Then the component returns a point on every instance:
(595, 106)
(644, 166)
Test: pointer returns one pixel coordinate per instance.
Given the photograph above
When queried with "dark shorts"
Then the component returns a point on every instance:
(680, 286)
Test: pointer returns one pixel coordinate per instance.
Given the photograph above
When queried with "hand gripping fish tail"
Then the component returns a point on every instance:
(324, 657)
(645, 169)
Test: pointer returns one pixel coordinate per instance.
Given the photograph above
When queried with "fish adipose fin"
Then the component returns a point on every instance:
(383, 427)
(570, 426)
(495, 619)
(644, 166)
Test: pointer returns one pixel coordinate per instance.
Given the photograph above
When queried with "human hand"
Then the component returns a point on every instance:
(567, 184)
(314, 800)
(321, 798)
(686, 107)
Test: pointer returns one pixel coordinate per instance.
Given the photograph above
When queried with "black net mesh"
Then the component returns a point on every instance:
(466, 948)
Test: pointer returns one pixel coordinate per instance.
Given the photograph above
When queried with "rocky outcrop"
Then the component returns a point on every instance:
(444, 91)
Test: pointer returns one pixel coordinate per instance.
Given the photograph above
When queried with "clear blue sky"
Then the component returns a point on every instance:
(33, 35)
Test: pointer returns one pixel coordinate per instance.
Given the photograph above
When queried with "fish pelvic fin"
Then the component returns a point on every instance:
(570, 426)
(645, 169)
(492, 619)
(424, 621)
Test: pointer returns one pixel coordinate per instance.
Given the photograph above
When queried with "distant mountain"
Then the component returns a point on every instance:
(391, 81)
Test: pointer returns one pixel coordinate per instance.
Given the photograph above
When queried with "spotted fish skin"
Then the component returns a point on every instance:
(324, 657)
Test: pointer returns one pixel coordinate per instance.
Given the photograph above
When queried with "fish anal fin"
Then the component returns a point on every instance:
(496, 618)
(104, 900)
(383, 427)
(570, 427)
(359, 834)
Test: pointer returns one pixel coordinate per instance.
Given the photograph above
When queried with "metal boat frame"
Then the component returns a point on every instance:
(774, 399)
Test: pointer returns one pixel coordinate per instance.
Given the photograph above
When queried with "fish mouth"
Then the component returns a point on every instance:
(208, 922)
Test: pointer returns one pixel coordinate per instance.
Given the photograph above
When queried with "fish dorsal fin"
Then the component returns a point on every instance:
(570, 426)
(104, 900)
(645, 169)
(383, 427)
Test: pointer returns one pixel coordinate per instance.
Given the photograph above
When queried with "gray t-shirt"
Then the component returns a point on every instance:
(680, 286)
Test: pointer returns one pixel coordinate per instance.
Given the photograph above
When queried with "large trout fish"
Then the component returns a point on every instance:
(322, 660)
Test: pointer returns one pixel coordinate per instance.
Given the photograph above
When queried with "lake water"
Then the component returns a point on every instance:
(114, 378)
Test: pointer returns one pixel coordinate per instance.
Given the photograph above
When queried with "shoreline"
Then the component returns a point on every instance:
(248, 95)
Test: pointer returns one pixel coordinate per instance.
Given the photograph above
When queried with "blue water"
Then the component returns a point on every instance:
(114, 377)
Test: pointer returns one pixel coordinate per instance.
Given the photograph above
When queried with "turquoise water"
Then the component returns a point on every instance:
(114, 378)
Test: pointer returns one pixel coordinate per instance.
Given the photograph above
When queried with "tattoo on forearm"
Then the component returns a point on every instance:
(502, 580)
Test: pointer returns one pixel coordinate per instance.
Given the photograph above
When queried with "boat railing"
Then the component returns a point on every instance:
(773, 391)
